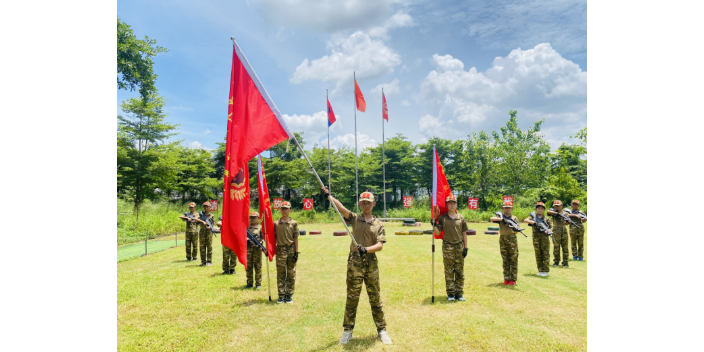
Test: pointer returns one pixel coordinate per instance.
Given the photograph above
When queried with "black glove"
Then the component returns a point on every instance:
(464, 253)
(362, 250)
(295, 257)
(325, 193)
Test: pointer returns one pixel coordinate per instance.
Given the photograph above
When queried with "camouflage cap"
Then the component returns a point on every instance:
(451, 199)
(366, 196)
(507, 204)
(286, 204)
(206, 204)
(540, 204)
(254, 214)
(556, 202)
(575, 202)
(191, 205)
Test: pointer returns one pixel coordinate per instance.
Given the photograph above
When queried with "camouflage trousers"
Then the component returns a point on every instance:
(454, 267)
(254, 263)
(285, 269)
(206, 246)
(577, 237)
(229, 259)
(191, 245)
(363, 270)
(509, 254)
(561, 242)
(541, 244)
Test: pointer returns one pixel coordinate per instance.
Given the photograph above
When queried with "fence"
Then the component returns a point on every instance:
(150, 244)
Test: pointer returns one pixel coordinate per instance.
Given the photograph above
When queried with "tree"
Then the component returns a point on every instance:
(146, 165)
(401, 163)
(479, 160)
(135, 68)
(194, 170)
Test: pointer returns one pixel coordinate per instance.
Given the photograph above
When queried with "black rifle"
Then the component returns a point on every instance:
(189, 216)
(560, 214)
(576, 212)
(510, 223)
(542, 226)
(255, 241)
(208, 222)
(217, 230)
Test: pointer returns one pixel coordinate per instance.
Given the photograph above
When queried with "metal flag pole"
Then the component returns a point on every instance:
(432, 215)
(356, 163)
(383, 150)
(326, 107)
(268, 278)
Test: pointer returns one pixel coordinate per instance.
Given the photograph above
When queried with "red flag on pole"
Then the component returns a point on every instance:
(359, 98)
(441, 189)
(254, 124)
(265, 211)
(384, 108)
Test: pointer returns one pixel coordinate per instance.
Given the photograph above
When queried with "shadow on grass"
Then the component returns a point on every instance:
(535, 276)
(258, 301)
(438, 300)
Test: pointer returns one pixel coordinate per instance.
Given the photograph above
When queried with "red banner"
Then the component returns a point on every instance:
(213, 204)
(307, 204)
(473, 203)
(508, 199)
(407, 202)
(277, 203)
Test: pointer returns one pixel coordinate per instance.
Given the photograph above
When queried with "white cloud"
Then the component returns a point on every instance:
(315, 126)
(206, 132)
(405, 103)
(399, 20)
(538, 82)
(195, 145)
(363, 141)
(389, 88)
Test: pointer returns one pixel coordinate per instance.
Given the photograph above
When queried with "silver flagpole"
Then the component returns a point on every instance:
(432, 214)
(326, 107)
(356, 177)
(383, 148)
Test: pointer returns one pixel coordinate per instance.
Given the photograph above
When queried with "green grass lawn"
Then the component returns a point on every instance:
(165, 303)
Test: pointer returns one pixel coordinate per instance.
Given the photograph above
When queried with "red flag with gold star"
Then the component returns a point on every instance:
(441, 190)
(265, 211)
(254, 124)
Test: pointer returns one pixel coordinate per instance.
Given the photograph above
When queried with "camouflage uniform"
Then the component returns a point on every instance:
(229, 259)
(191, 239)
(364, 269)
(254, 258)
(559, 233)
(509, 250)
(541, 244)
(452, 248)
(205, 237)
(285, 232)
(577, 236)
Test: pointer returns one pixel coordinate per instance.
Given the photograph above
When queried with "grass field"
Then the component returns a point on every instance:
(165, 303)
(135, 250)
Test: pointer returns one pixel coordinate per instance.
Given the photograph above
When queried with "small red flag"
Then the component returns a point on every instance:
(359, 98)
(441, 189)
(384, 109)
(265, 211)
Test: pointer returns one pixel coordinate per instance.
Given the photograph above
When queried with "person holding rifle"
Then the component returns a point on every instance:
(286, 234)
(454, 248)
(559, 234)
(362, 265)
(541, 242)
(577, 233)
(205, 237)
(191, 232)
(508, 244)
(254, 254)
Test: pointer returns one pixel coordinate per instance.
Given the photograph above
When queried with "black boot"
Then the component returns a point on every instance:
(288, 299)
(281, 299)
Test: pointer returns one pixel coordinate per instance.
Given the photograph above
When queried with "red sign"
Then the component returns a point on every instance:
(473, 203)
(307, 204)
(277, 203)
(508, 199)
(407, 202)
(213, 205)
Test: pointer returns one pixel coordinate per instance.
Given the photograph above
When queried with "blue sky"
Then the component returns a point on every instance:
(448, 68)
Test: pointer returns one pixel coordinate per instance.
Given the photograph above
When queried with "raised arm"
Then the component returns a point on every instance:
(345, 213)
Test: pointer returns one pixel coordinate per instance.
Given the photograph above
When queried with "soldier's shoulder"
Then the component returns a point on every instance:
(378, 222)
(460, 216)
(293, 222)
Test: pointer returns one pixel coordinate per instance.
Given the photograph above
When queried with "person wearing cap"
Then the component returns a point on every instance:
(254, 254)
(454, 248)
(508, 245)
(205, 237)
(541, 240)
(577, 233)
(559, 235)
(286, 234)
(191, 233)
(362, 265)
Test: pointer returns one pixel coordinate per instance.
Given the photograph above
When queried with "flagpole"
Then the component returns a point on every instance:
(326, 107)
(356, 177)
(432, 214)
(383, 150)
(268, 278)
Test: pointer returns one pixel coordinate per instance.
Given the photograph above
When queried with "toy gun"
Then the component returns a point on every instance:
(255, 241)
(189, 216)
(542, 226)
(208, 222)
(564, 217)
(578, 214)
(510, 223)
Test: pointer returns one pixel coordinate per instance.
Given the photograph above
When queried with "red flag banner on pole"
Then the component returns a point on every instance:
(441, 189)
(359, 98)
(384, 108)
(254, 124)
(265, 211)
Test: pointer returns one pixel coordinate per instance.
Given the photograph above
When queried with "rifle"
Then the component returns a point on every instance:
(208, 222)
(563, 216)
(510, 223)
(580, 216)
(189, 216)
(252, 238)
(542, 226)
(217, 230)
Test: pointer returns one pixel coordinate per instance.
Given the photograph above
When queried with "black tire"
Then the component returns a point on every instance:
(493, 228)
(302, 232)
(428, 232)
(491, 232)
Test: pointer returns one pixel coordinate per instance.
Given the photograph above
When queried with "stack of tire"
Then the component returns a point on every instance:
(339, 233)
(428, 232)
(411, 222)
(415, 232)
(471, 232)
(314, 232)
(493, 230)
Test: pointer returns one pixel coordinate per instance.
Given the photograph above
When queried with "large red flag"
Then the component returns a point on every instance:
(384, 109)
(359, 98)
(254, 124)
(265, 211)
(441, 189)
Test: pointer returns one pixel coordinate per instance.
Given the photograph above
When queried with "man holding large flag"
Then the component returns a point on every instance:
(441, 191)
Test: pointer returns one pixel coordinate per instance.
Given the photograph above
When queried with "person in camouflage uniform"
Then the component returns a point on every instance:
(508, 245)
(454, 248)
(229, 258)
(191, 233)
(205, 237)
(560, 236)
(577, 234)
(362, 265)
(286, 234)
(254, 254)
(541, 240)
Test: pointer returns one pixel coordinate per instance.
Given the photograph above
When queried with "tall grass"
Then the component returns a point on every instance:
(159, 218)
